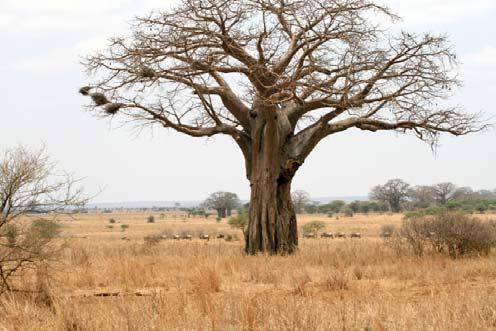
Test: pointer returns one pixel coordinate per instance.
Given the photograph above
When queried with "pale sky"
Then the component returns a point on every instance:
(43, 40)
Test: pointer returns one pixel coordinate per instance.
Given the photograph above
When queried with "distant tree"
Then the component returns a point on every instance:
(277, 77)
(463, 193)
(359, 206)
(486, 194)
(394, 192)
(30, 183)
(356, 206)
(378, 206)
(348, 212)
(223, 203)
(443, 192)
(333, 206)
(300, 200)
(311, 208)
(365, 207)
(422, 195)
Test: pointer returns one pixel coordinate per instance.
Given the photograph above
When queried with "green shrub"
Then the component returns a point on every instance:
(239, 221)
(348, 212)
(313, 226)
(111, 221)
(124, 227)
(150, 219)
(45, 229)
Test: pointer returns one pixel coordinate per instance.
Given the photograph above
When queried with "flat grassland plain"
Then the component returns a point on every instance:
(101, 281)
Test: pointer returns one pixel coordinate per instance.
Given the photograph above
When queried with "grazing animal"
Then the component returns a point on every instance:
(340, 235)
(205, 237)
(176, 237)
(327, 235)
(221, 236)
(126, 239)
(356, 235)
(163, 237)
(187, 237)
(386, 235)
(309, 235)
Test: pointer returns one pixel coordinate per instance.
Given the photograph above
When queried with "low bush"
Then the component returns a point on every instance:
(45, 229)
(239, 221)
(313, 226)
(388, 230)
(26, 246)
(348, 212)
(152, 239)
(453, 234)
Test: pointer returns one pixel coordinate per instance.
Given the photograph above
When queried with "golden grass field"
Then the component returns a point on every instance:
(102, 282)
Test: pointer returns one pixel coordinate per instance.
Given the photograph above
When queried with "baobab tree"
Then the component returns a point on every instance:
(393, 192)
(277, 76)
(222, 202)
(443, 192)
(422, 195)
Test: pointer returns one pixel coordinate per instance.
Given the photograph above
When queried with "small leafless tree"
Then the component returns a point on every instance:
(443, 192)
(30, 185)
(394, 192)
(222, 202)
(300, 199)
(277, 76)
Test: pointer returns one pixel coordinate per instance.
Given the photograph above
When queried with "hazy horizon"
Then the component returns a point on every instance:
(45, 40)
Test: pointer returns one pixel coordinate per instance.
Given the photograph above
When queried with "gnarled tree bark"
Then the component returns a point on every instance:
(272, 219)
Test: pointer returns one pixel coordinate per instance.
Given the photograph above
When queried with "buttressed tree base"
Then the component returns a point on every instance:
(277, 76)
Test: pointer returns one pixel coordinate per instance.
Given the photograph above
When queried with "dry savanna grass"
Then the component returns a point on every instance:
(102, 282)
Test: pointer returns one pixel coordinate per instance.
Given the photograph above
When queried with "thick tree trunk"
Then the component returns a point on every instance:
(272, 220)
